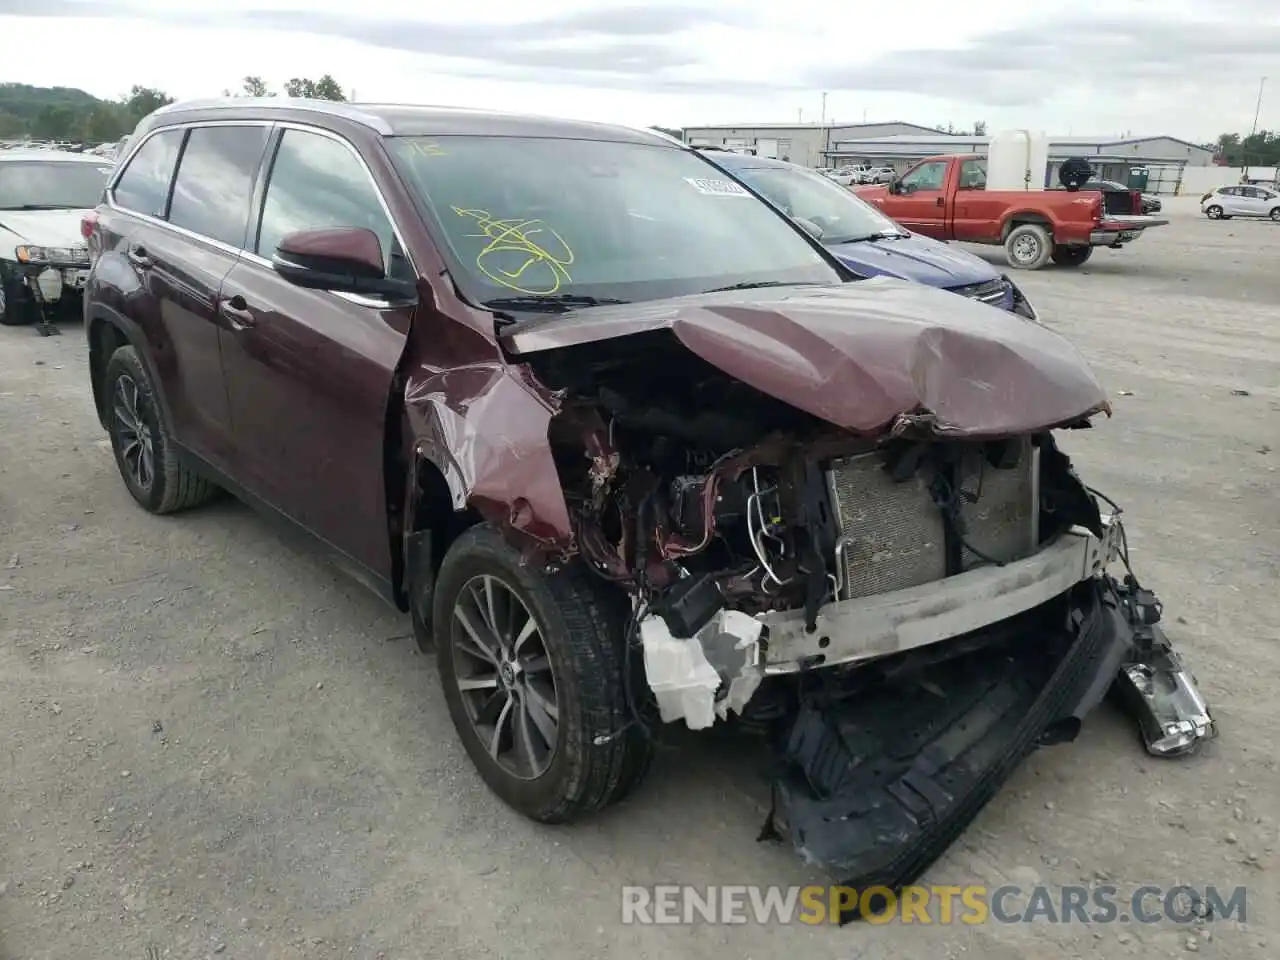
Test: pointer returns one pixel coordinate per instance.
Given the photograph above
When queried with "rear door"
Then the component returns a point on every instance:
(309, 372)
(186, 232)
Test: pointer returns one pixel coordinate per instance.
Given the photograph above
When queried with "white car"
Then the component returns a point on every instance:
(43, 256)
(1241, 200)
(846, 176)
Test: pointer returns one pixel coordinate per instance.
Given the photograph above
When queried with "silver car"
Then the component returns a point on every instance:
(1241, 200)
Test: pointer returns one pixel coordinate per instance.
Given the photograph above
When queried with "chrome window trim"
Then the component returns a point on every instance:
(248, 255)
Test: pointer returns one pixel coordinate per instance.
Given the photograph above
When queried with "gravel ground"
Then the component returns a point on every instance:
(215, 745)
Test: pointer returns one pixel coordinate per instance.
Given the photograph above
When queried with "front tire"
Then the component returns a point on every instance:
(144, 450)
(1214, 212)
(1028, 247)
(1275, 214)
(532, 668)
(1071, 256)
(15, 311)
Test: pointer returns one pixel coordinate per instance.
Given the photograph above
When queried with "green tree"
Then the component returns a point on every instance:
(251, 87)
(103, 123)
(326, 88)
(54, 123)
(142, 101)
(980, 128)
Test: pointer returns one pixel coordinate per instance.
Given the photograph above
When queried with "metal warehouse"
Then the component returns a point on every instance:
(1113, 158)
(899, 144)
(807, 144)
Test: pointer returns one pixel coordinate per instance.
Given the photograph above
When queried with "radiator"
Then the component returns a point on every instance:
(892, 534)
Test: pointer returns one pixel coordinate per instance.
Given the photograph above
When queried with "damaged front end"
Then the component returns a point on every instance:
(896, 577)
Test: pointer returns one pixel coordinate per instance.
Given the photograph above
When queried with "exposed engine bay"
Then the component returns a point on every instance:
(785, 575)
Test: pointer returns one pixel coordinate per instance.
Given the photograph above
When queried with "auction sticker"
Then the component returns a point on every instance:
(716, 188)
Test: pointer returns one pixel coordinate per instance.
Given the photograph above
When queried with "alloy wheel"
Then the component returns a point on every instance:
(133, 434)
(504, 674)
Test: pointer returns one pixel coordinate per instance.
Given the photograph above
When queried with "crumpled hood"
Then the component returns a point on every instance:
(917, 258)
(869, 356)
(44, 228)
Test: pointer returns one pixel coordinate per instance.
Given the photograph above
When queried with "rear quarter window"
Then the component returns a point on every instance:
(144, 185)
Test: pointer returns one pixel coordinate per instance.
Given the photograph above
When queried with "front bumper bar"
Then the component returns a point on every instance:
(850, 631)
(877, 781)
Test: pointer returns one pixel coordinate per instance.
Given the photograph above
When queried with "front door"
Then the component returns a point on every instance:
(309, 372)
(920, 203)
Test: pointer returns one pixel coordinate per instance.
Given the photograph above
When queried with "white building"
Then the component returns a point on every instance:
(807, 144)
(1163, 157)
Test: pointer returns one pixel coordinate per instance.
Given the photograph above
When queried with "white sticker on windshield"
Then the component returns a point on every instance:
(717, 188)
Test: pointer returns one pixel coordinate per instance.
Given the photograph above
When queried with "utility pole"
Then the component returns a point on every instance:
(824, 108)
(1257, 110)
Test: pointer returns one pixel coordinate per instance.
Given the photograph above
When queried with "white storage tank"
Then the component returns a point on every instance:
(1017, 160)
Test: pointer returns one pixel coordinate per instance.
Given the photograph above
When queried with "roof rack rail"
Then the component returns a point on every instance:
(333, 108)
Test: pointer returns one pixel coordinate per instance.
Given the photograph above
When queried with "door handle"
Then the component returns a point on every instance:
(237, 313)
(139, 257)
(939, 201)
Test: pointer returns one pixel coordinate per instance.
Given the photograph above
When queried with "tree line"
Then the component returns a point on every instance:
(69, 114)
(1261, 149)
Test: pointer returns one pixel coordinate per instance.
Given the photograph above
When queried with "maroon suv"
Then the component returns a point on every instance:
(632, 449)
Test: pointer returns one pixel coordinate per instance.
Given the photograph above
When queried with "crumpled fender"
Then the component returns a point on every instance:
(484, 427)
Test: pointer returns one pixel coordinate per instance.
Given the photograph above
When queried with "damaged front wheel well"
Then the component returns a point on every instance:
(434, 524)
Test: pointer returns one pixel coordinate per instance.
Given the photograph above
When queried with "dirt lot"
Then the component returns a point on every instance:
(214, 745)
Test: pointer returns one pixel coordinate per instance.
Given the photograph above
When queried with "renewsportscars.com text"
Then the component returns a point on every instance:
(735, 904)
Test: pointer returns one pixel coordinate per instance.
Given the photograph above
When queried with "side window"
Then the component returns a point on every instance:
(973, 175)
(317, 182)
(144, 185)
(214, 188)
(927, 176)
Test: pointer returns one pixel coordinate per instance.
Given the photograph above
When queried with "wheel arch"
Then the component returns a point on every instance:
(436, 513)
(1021, 218)
(107, 330)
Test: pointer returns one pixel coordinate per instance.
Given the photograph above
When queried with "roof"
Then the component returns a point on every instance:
(727, 158)
(827, 125)
(404, 120)
(957, 140)
(52, 156)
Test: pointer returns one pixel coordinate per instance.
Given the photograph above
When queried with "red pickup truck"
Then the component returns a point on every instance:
(946, 198)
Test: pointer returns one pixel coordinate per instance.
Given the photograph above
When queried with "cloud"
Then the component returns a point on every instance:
(1023, 66)
(634, 47)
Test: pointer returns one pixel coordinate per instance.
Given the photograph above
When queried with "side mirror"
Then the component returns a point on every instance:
(340, 259)
(895, 186)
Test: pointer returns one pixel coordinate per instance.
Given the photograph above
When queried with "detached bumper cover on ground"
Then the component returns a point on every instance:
(882, 773)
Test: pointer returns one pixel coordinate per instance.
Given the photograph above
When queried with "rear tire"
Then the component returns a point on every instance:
(571, 659)
(1214, 212)
(1028, 246)
(145, 453)
(1071, 256)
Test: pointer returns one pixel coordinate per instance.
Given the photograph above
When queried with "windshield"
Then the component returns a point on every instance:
(51, 184)
(841, 215)
(567, 221)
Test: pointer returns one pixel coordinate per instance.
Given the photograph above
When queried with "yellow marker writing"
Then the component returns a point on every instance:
(538, 271)
(426, 148)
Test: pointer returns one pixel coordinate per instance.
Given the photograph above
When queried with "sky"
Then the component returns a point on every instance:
(1188, 68)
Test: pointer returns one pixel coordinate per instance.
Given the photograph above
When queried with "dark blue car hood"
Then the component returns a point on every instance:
(917, 258)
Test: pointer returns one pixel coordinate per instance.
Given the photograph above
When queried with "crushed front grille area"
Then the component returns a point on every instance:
(893, 535)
